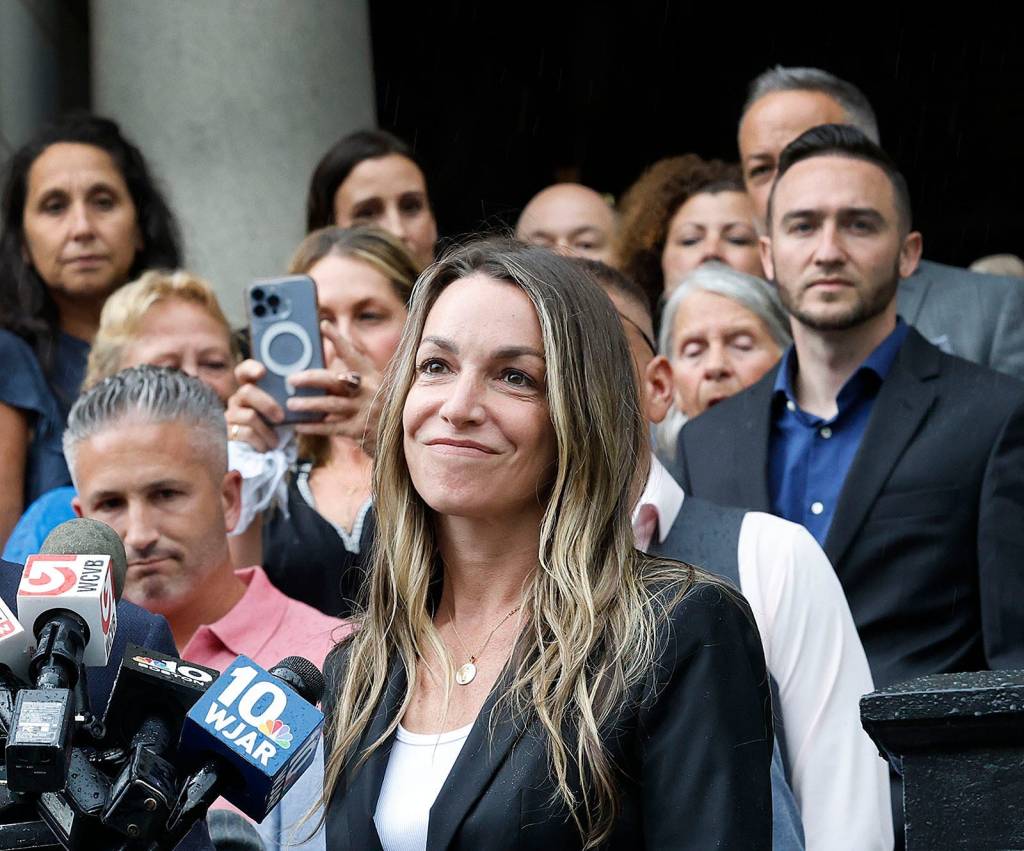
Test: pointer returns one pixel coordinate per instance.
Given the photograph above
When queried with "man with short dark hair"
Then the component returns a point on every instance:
(977, 317)
(905, 463)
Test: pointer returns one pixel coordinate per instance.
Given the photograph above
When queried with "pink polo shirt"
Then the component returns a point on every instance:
(266, 626)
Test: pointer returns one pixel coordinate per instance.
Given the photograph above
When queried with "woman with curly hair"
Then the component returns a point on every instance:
(681, 212)
(522, 676)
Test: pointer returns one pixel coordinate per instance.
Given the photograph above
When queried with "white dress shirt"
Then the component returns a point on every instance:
(811, 646)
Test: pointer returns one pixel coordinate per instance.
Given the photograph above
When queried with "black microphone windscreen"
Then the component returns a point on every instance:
(85, 536)
(230, 831)
(303, 676)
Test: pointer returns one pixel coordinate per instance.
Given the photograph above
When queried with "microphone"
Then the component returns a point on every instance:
(231, 832)
(251, 735)
(14, 657)
(73, 813)
(68, 594)
(151, 695)
(81, 569)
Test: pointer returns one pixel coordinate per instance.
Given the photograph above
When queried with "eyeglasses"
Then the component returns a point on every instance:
(646, 337)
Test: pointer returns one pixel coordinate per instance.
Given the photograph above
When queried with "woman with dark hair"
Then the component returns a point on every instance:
(81, 216)
(522, 676)
(373, 178)
(681, 212)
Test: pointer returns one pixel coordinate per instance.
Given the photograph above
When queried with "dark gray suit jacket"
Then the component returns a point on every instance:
(928, 536)
(974, 316)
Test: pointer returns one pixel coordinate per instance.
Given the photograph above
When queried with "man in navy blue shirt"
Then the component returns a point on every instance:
(905, 463)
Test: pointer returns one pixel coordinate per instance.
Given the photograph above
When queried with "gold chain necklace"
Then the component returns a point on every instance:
(466, 673)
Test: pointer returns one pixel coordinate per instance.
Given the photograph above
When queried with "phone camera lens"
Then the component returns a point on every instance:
(273, 301)
(257, 294)
(259, 310)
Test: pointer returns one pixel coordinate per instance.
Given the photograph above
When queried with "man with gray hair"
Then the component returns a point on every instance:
(980, 318)
(147, 450)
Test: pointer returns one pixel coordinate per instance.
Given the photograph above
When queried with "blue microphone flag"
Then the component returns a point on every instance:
(260, 727)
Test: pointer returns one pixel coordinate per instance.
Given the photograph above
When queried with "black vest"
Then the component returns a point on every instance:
(708, 535)
(705, 535)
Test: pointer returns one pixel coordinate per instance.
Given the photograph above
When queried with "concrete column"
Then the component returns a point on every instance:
(29, 70)
(233, 102)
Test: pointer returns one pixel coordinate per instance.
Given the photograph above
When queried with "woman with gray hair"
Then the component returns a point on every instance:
(721, 331)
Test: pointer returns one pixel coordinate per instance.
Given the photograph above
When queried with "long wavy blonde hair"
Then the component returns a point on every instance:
(593, 605)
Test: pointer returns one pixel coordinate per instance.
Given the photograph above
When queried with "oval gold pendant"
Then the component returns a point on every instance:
(464, 676)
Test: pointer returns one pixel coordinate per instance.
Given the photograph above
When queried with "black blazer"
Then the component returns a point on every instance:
(928, 534)
(693, 745)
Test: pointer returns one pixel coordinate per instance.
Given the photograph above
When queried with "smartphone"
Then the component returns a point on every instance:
(284, 327)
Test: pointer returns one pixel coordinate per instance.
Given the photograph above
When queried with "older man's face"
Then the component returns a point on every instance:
(718, 349)
(570, 219)
(768, 126)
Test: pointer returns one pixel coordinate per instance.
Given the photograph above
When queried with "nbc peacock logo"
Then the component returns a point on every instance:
(278, 732)
(150, 662)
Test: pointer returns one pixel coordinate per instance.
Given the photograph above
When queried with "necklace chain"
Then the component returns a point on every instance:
(490, 635)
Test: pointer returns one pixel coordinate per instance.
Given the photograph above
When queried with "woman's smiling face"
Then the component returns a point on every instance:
(478, 435)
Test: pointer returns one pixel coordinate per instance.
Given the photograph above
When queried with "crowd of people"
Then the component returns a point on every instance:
(599, 531)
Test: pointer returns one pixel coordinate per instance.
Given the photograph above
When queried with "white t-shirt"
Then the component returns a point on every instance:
(417, 768)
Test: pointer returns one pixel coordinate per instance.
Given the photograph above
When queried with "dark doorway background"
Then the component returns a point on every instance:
(499, 105)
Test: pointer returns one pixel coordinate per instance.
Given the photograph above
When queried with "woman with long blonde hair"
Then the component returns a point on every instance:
(522, 676)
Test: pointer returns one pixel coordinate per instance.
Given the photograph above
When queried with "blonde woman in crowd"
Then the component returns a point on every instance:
(166, 318)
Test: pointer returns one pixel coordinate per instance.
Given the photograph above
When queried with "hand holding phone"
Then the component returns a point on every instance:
(285, 333)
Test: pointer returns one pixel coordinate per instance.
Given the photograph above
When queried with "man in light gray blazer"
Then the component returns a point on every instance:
(977, 317)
